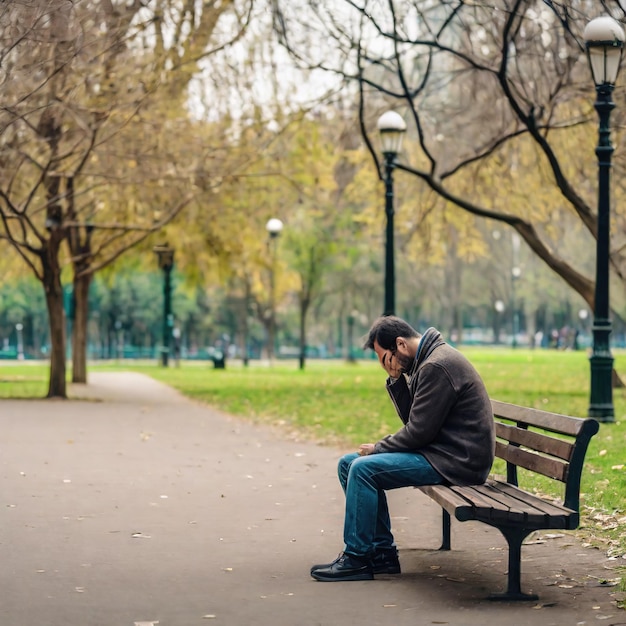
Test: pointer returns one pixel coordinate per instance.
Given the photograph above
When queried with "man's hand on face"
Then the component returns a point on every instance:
(393, 360)
(365, 449)
(391, 364)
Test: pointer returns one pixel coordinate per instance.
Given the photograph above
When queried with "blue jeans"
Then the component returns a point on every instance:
(367, 526)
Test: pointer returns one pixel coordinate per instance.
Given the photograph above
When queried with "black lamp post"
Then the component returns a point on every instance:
(391, 127)
(516, 273)
(274, 227)
(604, 39)
(499, 307)
(165, 255)
(19, 327)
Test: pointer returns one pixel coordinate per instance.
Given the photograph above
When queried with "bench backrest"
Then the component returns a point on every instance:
(528, 442)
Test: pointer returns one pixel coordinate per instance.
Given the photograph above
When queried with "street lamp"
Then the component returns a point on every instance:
(391, 127)
(20, 343)
(274, 227)
(604, 39)
(516, 273)
(165, 256)
(583, 314)
(499, 307)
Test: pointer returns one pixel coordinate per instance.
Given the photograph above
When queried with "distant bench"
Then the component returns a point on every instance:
(502, 504)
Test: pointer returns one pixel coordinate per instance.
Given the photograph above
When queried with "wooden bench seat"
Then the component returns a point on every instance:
(544, 443)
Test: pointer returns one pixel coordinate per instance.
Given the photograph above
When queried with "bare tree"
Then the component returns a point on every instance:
(96, 145)
(483, 83)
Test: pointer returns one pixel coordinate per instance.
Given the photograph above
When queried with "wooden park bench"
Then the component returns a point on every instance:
(524, 438)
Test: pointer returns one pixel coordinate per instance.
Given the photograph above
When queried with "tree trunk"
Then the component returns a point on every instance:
(245, 327)
(304, 307)
(268, 326)
(57, 386)
(79, 328)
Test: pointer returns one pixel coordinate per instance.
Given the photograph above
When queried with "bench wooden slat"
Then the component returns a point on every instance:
(554, 422)
(536, 441)
(552, 468)
(539, 514)
(533, 500)
(499, 504)
(491, 511)
(473, 502)
(497, 508)
(483, 496)
(569, 516)
(446, 498)
(508, 501)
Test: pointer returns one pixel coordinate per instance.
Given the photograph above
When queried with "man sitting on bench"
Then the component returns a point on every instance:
(447, 437)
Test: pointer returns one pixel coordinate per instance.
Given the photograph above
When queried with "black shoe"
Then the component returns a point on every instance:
(345, 567)
(385, 561)
(325, 565)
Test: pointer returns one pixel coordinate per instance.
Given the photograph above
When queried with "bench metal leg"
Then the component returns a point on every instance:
(445, 544)
(514, 537)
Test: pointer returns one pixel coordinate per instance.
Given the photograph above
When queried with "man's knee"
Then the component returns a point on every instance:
(343, 467)
(346, 461)
(362, 465)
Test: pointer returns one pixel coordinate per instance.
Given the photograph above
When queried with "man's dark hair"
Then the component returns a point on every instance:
(386, 329)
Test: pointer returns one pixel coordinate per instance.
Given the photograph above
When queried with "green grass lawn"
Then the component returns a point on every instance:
(337, 403)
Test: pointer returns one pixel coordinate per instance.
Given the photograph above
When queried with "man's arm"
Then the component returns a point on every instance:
(433, 399)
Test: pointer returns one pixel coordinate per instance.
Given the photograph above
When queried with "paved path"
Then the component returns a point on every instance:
(131, 505)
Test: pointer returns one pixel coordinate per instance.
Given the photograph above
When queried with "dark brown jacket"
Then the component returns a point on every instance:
(446, 412)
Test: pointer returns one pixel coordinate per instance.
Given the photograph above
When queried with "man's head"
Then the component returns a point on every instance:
(395, 342)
